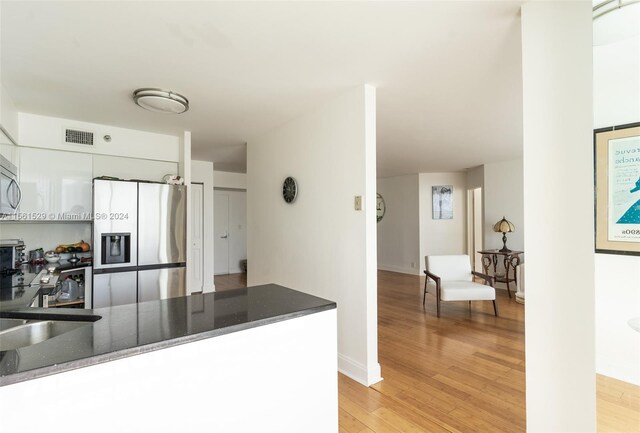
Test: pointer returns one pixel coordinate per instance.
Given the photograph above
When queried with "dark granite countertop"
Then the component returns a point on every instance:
(132, 329)
(15, 290)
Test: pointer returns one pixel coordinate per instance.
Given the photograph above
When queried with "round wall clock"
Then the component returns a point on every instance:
(289, 189)
(381, 208)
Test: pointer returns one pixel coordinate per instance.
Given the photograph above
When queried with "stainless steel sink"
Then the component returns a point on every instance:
(16, 333)
(10, 323)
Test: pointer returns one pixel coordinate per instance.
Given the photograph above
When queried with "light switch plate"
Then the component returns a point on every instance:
(357, 202)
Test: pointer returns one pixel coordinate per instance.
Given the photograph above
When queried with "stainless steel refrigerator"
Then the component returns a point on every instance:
(139, 240)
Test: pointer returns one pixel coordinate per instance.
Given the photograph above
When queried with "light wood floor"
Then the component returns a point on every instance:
(230, 281)
(463, 372)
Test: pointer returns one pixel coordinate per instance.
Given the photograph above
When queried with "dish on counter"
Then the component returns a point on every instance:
(51, 257)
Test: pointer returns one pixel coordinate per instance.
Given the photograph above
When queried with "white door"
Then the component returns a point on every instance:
(197, 227)
(221, 232)
(237, 230)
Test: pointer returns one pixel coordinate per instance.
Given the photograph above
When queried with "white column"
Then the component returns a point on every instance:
(184, 168)
(371, 235)
(558, 213)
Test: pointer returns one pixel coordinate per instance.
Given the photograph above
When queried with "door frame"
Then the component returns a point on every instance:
(475, 225)
(215, 234)
(202, 216)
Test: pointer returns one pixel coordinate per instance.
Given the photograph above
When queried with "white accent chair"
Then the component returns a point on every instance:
(453, 280)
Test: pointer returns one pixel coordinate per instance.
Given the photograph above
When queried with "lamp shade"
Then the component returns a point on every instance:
(504, 226)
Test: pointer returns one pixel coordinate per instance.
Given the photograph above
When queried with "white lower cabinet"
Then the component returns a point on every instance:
(290, 368)
(56, 186)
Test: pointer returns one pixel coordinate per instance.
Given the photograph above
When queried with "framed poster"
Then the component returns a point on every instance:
(442, 202)
(617, 189)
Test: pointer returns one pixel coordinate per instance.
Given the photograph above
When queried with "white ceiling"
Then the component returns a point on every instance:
(448, 73)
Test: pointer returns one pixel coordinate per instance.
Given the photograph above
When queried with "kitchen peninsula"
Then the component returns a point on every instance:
(191, 363)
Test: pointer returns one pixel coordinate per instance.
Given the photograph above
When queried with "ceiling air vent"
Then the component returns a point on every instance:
(74, 136)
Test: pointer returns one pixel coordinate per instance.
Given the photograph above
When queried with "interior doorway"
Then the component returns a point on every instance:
(221, 232)
(229, 227)
(474, 227)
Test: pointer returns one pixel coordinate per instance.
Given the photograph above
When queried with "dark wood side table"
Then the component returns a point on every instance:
(510, 259)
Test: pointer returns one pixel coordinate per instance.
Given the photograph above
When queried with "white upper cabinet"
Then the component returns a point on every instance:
(56, 186)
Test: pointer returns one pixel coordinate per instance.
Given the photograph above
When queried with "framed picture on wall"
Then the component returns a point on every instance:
(442, 202)
(617, 189)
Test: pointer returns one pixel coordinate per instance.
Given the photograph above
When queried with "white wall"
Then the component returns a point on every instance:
(475, 177)
(616, 92)
(48, 132)
(399, 230)
(617, 300)
(132, 168)
(8, 115)
(202, 172)
(616, 82)
(503, 196)
(226, 179)
(319, 244)
(558, 179)
(8, 112)
(46, 235)
(443, 236)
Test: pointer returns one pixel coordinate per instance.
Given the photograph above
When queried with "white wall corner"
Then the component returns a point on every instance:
(293, 244)
(365, 375)
(48, 132)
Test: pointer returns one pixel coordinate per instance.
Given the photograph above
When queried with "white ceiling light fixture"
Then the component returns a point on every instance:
(161, 101)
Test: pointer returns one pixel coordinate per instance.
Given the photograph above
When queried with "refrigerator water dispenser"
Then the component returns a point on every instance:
(116, 248)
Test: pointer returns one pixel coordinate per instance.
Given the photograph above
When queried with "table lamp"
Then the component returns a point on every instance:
(504, 226)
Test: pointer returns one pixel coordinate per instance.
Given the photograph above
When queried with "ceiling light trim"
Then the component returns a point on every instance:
(608, 6)
(160, 100)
